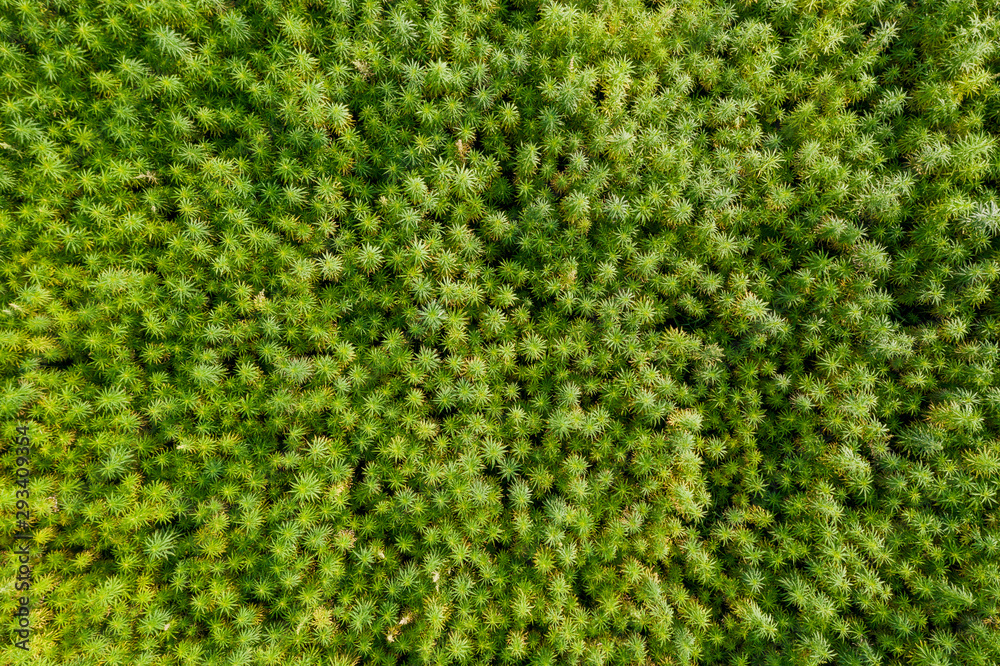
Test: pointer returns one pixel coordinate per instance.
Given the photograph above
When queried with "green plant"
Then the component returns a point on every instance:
(354, 331)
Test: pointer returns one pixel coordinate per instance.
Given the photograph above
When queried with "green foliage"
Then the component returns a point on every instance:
(355, 331)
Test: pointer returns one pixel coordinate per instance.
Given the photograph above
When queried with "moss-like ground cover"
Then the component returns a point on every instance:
(500, 332)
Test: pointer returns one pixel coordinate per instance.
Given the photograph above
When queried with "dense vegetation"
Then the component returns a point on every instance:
(469, 331)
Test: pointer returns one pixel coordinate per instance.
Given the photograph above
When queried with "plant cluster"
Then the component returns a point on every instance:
(470, 331)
